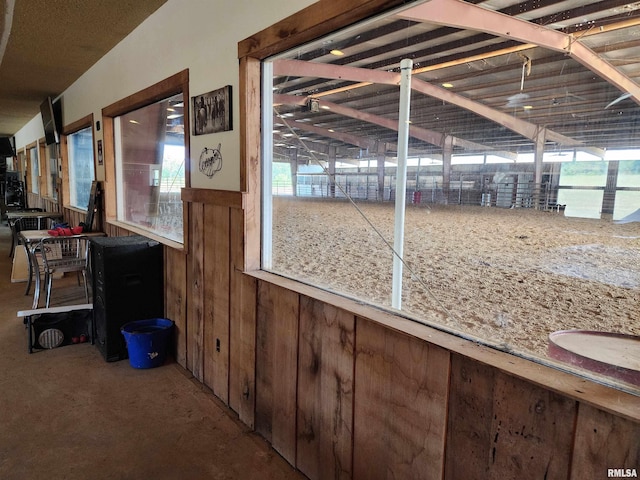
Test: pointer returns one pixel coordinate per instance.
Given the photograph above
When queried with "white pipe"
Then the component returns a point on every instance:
(267, 151)
(401, 180)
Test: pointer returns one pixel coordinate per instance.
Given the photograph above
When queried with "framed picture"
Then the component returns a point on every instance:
(212, 111)
(100, 157)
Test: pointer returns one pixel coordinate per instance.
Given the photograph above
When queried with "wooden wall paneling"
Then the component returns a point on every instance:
(325, 390)
(73, 217)
(604, 441)
(216, 300)
(32, 199)
(532, 431)
(470, 417)
(400, 405)
(276, 368)
(175, 299)
(242, 329)
(195, 321)
(503, 427)
(54, 206)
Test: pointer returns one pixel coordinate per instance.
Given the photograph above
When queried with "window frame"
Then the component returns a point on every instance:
(173, 85)
(70, 129)
(33, 178)
(311, 23)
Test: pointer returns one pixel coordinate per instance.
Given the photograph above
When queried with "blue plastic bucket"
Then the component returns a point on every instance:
(147, 341)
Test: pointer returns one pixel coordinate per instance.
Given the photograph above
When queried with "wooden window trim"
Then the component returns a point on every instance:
(72, 128)
(173, 85)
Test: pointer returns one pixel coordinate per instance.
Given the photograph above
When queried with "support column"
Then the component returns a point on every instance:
(380, 171)
(609, 196)
(447, 152)
(293, 164)
(401, 181)
(332, 173)
(537, 166)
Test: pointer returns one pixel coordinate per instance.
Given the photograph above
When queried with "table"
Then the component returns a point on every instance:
(30, 240)
(14, 215)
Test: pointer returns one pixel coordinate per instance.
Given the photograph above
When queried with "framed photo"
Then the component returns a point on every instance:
(100, 157)
(212, 111)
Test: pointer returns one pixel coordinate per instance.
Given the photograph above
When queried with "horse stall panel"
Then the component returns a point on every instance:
(401, 392)
(276, 368)
(602, 442)
(502, 427)
(195, 327)
(175, 282)
(216, 300)
(325, 390)
(242, 326)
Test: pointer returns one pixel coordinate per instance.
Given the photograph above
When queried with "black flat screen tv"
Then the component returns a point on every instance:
(51, 120)
(6, 147)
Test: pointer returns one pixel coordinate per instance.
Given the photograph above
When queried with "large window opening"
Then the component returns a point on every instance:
(150, 158)
(81, 167)
(35, 170)
(513, 209)
(150, 151)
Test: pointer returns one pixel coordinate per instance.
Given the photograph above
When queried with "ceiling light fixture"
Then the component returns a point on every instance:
(447, 85)
(336, 52)
(313, 105)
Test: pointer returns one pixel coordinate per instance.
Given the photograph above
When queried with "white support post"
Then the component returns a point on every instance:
(267, 158)
(401, 180)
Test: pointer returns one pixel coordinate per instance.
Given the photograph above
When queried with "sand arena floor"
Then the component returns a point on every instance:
(506, 276)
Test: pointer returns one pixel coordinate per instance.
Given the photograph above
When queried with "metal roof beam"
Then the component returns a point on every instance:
(429, 136)
(322, 70)
(460, 14)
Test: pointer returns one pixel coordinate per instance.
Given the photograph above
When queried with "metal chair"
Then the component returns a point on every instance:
(26, 223)
(65, 254)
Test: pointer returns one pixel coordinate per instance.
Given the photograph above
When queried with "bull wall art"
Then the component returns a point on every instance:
(210, 161)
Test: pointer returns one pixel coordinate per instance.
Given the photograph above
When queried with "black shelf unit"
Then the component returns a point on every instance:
(128, 285)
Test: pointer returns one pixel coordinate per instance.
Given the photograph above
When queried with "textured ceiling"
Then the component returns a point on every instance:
(51, 43)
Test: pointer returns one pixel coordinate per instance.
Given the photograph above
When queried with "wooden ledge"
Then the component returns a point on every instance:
(222, 198)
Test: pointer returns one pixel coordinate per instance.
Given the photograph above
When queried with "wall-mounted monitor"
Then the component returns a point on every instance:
(6, 147)
(51, 120)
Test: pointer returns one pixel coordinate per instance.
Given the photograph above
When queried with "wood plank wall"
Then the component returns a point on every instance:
(47, 204)
(340, 395)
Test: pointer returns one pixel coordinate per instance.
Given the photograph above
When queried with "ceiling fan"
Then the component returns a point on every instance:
(519, 99)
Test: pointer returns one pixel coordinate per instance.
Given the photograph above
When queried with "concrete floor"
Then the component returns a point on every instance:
(65, 413)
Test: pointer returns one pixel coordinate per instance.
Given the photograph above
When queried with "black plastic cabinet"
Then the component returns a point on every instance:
(128, 285)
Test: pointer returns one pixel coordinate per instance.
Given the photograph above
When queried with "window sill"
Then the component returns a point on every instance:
(567, 382)
(140, 231)
(75, 209)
